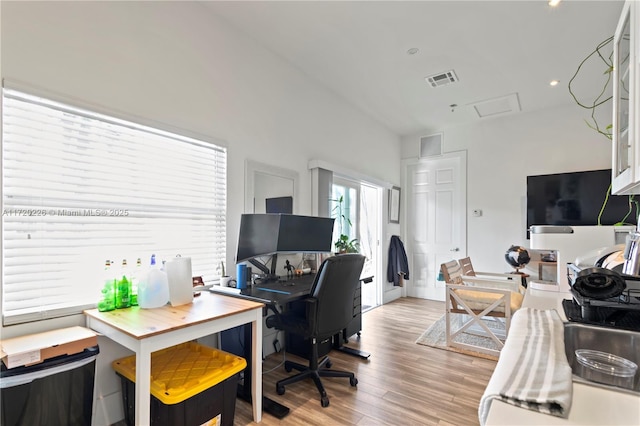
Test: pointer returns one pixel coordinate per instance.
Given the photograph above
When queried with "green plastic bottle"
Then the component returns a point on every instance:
(123, 288)
(108, 293)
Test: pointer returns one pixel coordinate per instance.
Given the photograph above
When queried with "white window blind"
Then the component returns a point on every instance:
(80, 188)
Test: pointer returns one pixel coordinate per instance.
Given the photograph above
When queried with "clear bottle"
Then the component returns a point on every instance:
(123, 288)
(153, 288)
(135, 280)
(108, 293)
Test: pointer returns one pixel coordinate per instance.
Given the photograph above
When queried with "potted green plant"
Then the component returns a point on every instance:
(225, 280)
(344, 244)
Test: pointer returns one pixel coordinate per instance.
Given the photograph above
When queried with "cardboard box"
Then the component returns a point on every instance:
(36, 348)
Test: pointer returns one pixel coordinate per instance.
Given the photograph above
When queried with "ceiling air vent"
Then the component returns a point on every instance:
(431, 145)
(442, 79)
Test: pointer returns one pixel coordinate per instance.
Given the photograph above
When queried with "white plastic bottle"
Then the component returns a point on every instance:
(153, 287)
(135, 280)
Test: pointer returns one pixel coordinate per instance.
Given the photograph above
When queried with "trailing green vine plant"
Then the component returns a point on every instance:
(600, 99)
(604, 52)
(632, 203)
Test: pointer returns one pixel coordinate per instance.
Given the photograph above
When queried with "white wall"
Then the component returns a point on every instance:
(501, 153)
(175, 65)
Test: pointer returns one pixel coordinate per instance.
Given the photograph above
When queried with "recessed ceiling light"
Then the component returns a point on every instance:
(554, 3)
(554, 82)
(412, 51)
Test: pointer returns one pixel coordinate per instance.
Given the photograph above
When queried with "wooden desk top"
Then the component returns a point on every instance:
(141, 323)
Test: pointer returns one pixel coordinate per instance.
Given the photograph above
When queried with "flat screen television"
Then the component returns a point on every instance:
(270, 234)
(576, 199)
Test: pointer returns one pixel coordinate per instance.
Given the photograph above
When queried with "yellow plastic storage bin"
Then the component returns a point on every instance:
(191, 384)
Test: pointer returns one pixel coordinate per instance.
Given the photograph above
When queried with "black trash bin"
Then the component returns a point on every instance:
(58, 391)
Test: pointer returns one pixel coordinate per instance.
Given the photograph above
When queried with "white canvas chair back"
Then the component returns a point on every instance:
(452, 272)
(466, 267)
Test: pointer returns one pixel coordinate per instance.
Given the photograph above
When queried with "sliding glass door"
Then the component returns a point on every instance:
(357, 209)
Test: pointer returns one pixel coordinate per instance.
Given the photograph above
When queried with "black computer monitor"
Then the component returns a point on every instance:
(270, 234)
(258, 236)
(279, 205)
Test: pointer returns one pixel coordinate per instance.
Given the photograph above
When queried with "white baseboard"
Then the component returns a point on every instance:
(108, 410)
(391, 295)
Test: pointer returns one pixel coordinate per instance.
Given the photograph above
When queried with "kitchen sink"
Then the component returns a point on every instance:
(623, 343)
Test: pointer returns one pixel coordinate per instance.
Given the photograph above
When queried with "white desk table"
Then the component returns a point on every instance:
(148, 330)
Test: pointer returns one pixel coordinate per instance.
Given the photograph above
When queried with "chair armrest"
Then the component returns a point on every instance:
(496, 275)
(470, 281)
(311, 308)
(295, 320)
(452, 287)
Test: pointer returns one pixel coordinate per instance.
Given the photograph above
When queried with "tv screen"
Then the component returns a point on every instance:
(267, 234)
(576, 199)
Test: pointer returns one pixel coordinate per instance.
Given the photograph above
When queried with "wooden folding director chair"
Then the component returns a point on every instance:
(473, 298)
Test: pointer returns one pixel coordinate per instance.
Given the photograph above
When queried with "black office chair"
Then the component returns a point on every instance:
(329, 308)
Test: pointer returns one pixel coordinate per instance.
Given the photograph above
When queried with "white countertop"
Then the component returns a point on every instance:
(590, 405)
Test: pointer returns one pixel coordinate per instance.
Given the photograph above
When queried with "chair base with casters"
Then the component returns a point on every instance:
(322, 315)
(314, 371)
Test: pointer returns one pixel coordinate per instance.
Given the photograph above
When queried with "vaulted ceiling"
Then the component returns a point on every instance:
(503, 53)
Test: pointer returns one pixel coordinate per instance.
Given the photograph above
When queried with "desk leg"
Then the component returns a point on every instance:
(354, 352)
(143, 385)
(256, 366)
(338, 344)
(245, 388)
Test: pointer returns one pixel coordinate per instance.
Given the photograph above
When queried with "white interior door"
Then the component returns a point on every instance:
(436, 220)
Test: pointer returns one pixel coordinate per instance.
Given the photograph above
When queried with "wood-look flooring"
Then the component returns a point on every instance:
(402, 383)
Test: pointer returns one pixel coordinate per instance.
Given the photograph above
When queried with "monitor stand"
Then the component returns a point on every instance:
(268, 275)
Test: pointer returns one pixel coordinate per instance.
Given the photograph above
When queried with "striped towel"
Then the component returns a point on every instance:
(533, 371)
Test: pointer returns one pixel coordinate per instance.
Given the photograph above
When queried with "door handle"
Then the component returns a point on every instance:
(455, 249)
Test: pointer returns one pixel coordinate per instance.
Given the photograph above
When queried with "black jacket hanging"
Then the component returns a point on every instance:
(398, 262)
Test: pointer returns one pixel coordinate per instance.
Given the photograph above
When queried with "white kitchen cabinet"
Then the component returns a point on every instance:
(626, 102)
